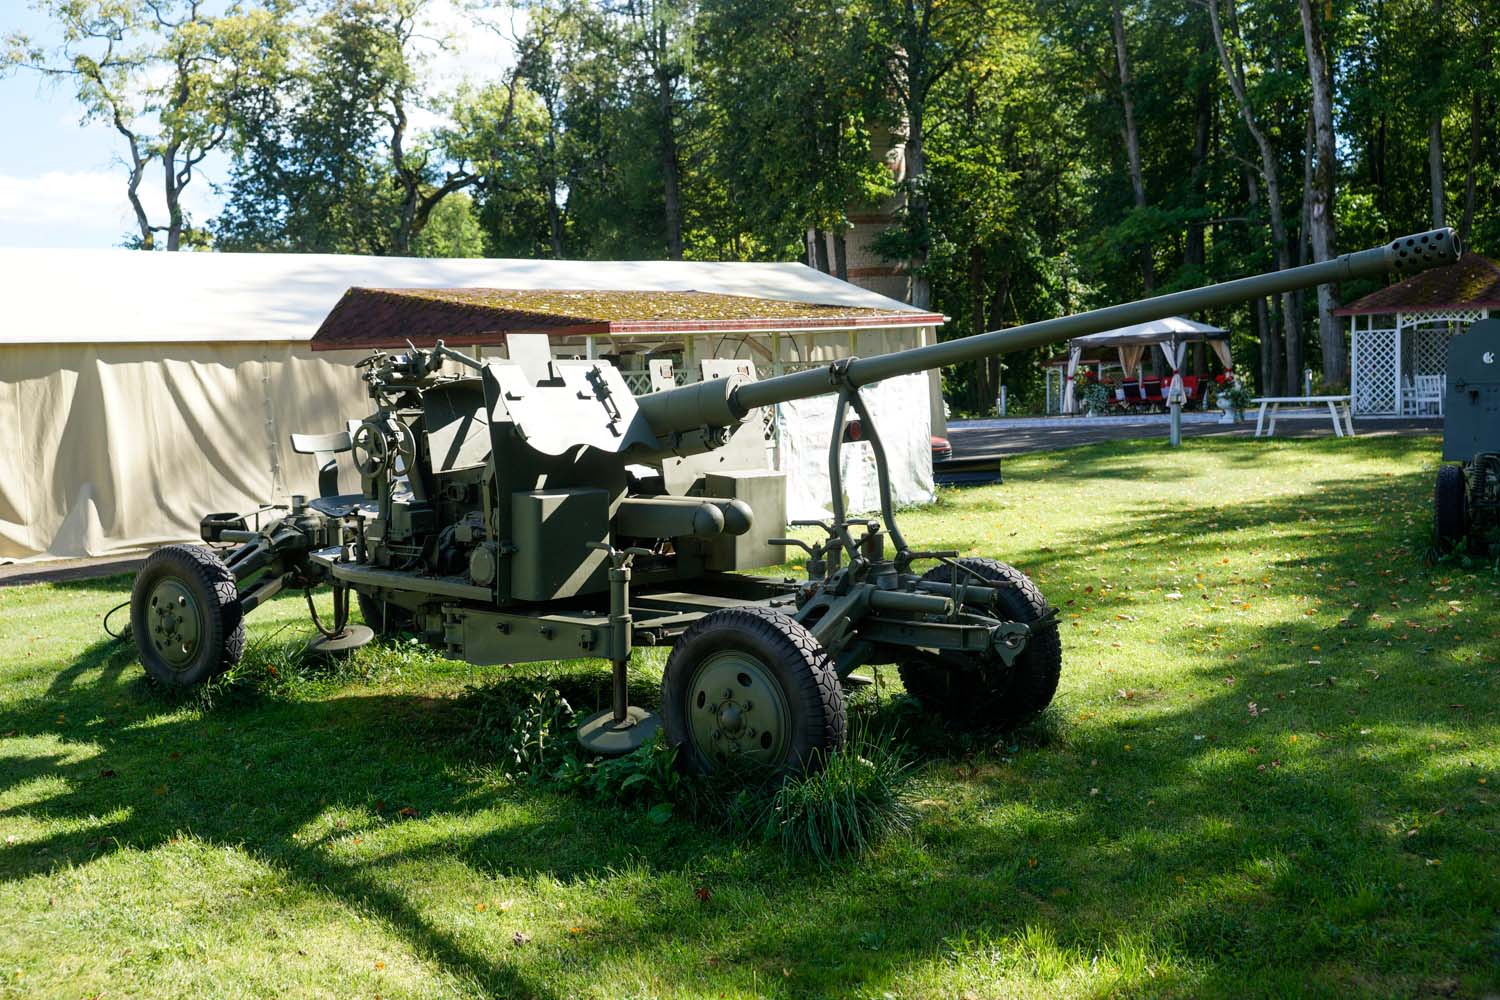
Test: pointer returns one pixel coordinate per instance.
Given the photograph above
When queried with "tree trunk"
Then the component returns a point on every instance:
(984, 388)
(918, 210)
(820, 250)
(1435, 168)
(840, 255)
(554, 221)
(1435, 130)
(1194, 248)
(1321, 207)
(1132, 137)
(671, 167)
(172, 194)
(1476, 149)
(1269, 172)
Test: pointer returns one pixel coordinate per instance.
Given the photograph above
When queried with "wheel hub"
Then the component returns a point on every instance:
(738, 710)
(176, 622)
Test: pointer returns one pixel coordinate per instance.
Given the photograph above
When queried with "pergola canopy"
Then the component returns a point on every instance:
(1471, 283)
(1399, 335)
(1172, 334)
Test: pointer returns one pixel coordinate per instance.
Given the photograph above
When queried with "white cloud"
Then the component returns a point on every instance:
(62, 197)
(91, 198)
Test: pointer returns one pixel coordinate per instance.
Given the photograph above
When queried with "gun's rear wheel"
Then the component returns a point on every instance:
(382, 616)
(185, 615)
(751, 686)
(986, 693)
(1450, 508)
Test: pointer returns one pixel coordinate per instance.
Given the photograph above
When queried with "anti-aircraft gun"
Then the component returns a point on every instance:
(1466, 500)
(534, 509)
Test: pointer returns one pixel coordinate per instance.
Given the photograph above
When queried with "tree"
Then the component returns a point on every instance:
(1320, 205)
(1269, 168)
(326, 158)
(165, 75)
(916, 44)
(794, 101)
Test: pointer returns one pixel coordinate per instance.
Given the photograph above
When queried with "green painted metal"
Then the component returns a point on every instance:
(177, 622)
(533, 509)
(738, 710)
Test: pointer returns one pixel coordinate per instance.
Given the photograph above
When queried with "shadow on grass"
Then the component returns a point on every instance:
(1212, 851)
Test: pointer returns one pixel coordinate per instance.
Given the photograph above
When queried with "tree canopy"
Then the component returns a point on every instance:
(1055, 154)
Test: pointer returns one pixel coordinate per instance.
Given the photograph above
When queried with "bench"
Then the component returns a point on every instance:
(1338, 410)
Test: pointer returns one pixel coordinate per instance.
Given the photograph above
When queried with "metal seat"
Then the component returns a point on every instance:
(325, 448)
(344, 504)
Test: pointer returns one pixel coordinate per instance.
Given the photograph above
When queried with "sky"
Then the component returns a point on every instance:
(62, 183)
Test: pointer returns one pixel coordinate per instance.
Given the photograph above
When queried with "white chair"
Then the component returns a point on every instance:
(1427, 396)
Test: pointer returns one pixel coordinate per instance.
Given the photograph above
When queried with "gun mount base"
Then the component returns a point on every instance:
(602, 734)
(342, 644)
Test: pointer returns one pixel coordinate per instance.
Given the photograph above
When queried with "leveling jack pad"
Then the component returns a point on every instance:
(346, 642)
(601, 734)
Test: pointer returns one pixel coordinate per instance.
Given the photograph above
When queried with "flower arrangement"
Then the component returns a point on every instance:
(1233, 386)
(1094, 397)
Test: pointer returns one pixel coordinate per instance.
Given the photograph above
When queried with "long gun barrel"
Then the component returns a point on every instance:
(1407, 254)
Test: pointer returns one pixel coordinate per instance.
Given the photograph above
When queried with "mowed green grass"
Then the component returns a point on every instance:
(1271, 770)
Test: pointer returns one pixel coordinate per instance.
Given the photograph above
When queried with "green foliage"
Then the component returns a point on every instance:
(863, 793)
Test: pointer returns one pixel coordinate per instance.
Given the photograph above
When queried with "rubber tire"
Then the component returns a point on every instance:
(384, 618)
(212, 584)
(992, 698)
(1450, 508)
(796, 659)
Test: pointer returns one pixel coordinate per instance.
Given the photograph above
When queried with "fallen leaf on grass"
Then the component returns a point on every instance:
(703, 893)
(520, 938)
(407, 811)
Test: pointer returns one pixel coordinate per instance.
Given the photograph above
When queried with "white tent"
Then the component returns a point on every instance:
(1172, 335)
(141, 391)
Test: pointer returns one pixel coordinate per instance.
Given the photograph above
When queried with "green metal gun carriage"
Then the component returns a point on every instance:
(534, 509)
(1466, 500)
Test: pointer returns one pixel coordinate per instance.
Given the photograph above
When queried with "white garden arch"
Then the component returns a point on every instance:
(1399, 335)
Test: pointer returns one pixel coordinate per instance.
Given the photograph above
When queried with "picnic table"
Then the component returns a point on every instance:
(1338, 408)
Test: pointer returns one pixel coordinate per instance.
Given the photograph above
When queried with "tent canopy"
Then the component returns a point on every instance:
(1173, 329)
(1172, 335)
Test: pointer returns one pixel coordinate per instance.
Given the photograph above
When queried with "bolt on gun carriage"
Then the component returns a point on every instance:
(534, 509)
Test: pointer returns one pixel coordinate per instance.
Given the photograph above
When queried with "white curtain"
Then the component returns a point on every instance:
(1175, 351)
(1070, 394)
(1130, 359)
(1221, 348)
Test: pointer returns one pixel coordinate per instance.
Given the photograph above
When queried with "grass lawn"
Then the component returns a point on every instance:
(1272, 769)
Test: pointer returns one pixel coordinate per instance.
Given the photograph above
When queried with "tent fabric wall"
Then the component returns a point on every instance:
(899, 407)
(121, 446)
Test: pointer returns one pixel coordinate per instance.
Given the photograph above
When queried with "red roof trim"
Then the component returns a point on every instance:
(894, 319)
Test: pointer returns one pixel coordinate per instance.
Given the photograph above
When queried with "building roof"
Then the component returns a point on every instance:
(388, 317)
(1471, 283)
(127, 296)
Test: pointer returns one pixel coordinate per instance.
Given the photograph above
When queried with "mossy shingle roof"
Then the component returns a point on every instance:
(1471, 283)
(388, 317)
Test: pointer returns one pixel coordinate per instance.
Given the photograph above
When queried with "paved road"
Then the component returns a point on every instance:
(973, 439)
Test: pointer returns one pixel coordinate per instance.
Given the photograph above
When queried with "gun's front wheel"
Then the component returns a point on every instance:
(986, 693)
(751, 687)
(185, 615)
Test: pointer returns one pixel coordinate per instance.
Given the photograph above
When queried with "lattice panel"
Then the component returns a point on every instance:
(1430, 350)
(1375, 371)
(638, 382)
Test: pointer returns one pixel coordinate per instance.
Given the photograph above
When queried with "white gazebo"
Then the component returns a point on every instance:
(1172, 335)
(1399, 335)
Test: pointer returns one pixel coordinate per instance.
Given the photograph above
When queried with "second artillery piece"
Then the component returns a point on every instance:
(1466, 499)
(534, 509)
